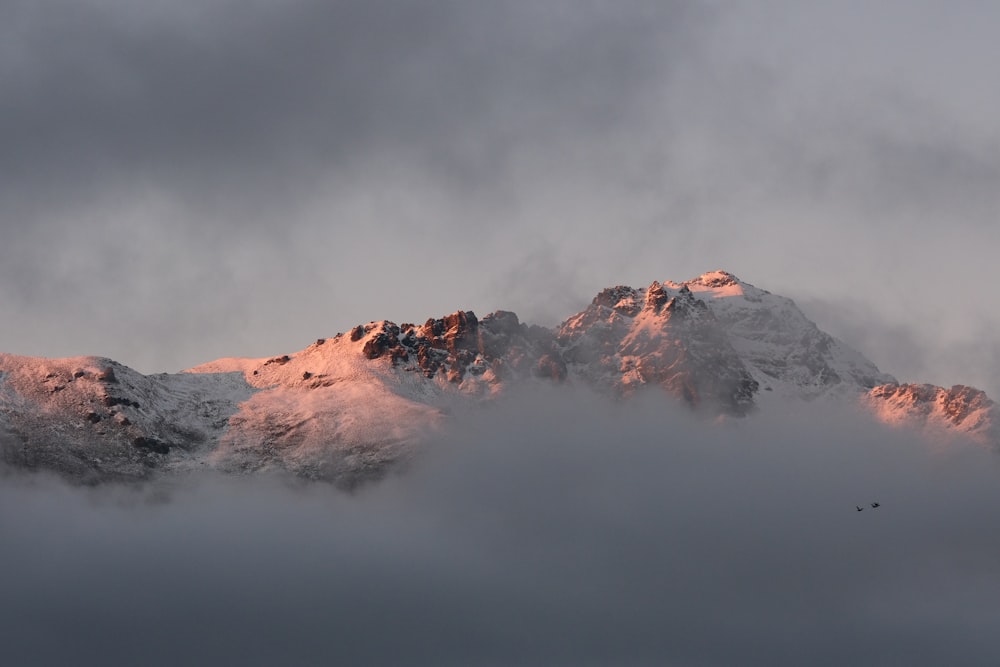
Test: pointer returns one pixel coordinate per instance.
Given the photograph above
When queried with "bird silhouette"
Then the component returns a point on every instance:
(875, 505)
(859, 508)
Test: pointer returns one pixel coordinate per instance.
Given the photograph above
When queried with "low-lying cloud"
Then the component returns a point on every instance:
(556, 529)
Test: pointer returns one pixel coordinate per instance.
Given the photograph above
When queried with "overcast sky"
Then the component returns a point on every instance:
(183, 180)
(548, 530)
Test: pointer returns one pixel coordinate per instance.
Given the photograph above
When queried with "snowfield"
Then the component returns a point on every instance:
(347, 408)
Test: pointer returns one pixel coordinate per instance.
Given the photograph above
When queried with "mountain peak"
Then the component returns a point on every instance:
(346, 407)
(718, 284)
(717, 278)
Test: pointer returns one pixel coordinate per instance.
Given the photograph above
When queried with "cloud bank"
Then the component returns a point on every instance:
(550, 530)
(191, 180)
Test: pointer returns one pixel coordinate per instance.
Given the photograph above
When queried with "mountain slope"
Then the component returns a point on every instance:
(936, 410)
(347, 407)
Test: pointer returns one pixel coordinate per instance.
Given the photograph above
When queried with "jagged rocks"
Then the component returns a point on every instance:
(620, 298)
(656, 296)
(961, 401)
(716, 279)
(382, 342)
(346, 407)
(281, 361)
(460, 345)
(684, 304)
(672, 341)
(960, 408)
(502, 323)
(454, 332)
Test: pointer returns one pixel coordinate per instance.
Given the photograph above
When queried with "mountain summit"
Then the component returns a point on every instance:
(347, 407)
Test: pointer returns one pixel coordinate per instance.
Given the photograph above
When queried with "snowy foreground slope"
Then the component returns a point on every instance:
(347, 407)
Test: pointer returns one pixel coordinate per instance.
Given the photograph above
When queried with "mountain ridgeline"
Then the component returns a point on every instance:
(349, 407)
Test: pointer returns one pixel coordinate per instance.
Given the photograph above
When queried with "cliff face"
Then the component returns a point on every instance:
(347, 407)
(630, 338)
(960, 409)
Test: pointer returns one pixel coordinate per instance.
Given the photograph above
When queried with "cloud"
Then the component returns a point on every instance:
(213, 100)
(545, 530)
(191, 180)
(244, 152)
(939, 352)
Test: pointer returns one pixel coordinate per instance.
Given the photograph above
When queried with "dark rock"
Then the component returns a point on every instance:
(409, 337)
(429, 359)
(357, 333)
(611, 297)
(460, 323)
(281, 361)
(378, 345)
(552, 367)
(93, 417)
(151, 444)
(432, 329)
(656, 296)
(110, 401)
(501, 322)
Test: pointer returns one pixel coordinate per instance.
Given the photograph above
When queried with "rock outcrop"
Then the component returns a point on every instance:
(346, 408)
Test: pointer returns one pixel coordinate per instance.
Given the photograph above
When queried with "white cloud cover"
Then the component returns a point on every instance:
(551, 529)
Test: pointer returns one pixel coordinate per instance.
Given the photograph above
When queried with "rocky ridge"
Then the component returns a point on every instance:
(347, 407)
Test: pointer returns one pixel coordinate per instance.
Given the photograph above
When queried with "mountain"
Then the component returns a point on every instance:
(347, 407)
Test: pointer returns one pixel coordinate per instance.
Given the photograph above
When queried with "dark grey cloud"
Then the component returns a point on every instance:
(187, 180)
(216, 99)
(549, 530)
(176, 171)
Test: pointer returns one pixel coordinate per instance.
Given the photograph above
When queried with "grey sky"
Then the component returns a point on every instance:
(186, 180)
(550, 530)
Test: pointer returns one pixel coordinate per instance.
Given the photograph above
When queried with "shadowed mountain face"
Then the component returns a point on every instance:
(348, 407)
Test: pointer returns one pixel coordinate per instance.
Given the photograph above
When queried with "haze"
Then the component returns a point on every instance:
(554, 529)
(187, 180)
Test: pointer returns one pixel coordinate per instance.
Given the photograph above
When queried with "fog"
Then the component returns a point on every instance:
(547, 530)
(188, 180)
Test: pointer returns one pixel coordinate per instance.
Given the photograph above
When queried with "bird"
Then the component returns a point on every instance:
(859, 508)
(874, 505)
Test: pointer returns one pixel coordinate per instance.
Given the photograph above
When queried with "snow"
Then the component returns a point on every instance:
(330, 411)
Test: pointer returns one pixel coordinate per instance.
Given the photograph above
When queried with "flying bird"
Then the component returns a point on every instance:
(875, 505)
(859, 508)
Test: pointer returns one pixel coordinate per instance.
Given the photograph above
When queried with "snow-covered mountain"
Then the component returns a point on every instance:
(346, 407)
